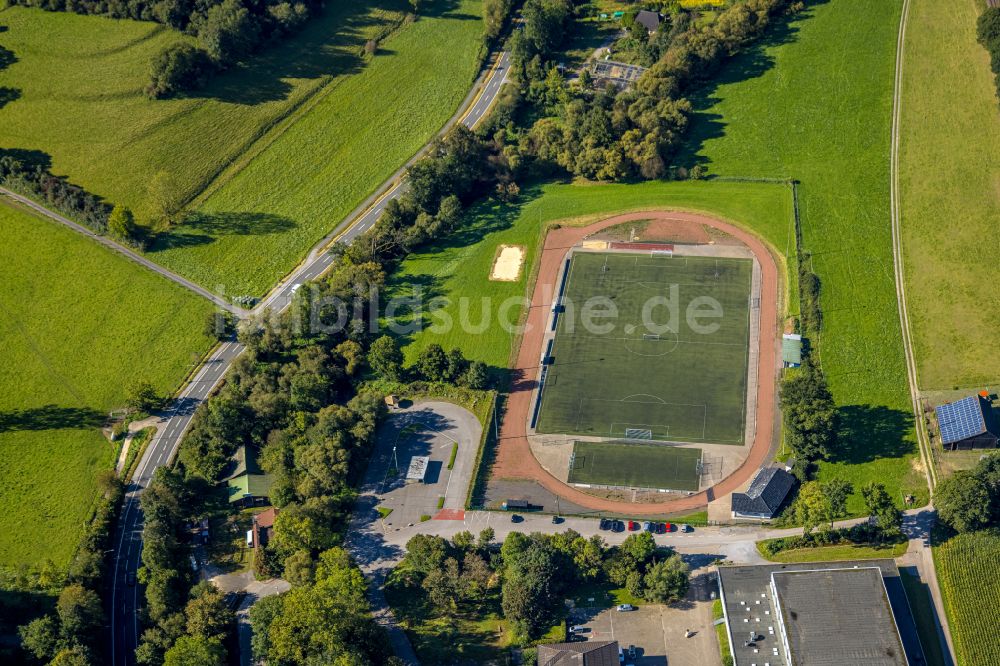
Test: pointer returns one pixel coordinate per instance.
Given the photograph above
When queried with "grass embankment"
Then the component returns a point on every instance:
(949, 175)
(78, 325)
(969, 575)
(264, 219)
(282, 133)
(813, 101)
(833, 553)
(459, 267)
(81, 103)
(919, 598)
(720, 633)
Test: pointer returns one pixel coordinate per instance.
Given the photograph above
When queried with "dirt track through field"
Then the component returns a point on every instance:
(514, 457)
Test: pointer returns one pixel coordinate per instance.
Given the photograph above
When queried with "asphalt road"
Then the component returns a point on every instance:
(126, 599)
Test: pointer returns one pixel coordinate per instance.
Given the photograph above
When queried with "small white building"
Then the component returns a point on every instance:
(418, 469)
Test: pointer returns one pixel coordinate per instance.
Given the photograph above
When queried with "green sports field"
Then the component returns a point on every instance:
(635, 465)
(649, 364)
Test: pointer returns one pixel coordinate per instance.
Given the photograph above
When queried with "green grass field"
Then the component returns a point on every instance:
(459, 266)
(967, 569)
(277, 143)
(949, 179)
(813, 101)
(78, 325)
(262, 220)
(82, 103)
(635, 465)
(919, 598)
(687, 383)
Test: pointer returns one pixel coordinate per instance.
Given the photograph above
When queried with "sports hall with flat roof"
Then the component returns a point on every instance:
(653, 371)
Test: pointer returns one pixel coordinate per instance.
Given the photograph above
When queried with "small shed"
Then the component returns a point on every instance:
(392, 401)
(791, 350)
(418, 469)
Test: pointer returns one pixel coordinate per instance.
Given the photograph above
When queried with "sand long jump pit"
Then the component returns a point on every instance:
(507, 264)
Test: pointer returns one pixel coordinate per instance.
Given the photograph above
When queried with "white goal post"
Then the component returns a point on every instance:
(638, 433)
(661, 253)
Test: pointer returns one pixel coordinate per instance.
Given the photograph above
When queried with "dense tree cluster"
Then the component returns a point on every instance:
(612, 134)
(326, 621)
(969, 500)
(809, 412)
(531, 574)
(55, 192)
(988, 34)
(186, 623)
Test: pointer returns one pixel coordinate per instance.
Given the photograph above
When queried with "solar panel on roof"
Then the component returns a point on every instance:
(960, 420)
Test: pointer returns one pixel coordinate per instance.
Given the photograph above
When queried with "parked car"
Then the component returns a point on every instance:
(606, 524)
(632, 526)
(661, 528)
(686, 528)
(631, 651)
(618, 526)
(647, 526)
(668, 527)
(514, 518)
(130, 578)
(624, 608)
(621, 655)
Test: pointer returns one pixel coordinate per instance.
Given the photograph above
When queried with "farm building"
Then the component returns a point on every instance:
(590, 653)
(968, 423)
(818, 613)
(767, 491)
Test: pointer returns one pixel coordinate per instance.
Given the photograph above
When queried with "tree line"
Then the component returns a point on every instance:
(529, 575)
(36, 182)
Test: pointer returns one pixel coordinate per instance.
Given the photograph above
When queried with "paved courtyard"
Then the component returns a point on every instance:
(657, 631)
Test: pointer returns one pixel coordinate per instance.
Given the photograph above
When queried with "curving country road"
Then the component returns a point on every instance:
(125, 598)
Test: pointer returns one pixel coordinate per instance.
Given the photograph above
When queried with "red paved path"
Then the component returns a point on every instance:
(514, 457)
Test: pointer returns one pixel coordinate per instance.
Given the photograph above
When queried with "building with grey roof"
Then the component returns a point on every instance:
(648, 20)
(818, 614)
(590, 653)
(968, 423)
(767, 491)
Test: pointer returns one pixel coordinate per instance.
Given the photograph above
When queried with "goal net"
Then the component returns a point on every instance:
(638, 433)
(650, 336)
(661, 253)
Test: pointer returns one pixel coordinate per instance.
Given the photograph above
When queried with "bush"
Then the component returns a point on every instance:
(178, 68)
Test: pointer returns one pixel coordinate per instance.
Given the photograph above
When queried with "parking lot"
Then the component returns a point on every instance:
(428, 429)
(657, 631)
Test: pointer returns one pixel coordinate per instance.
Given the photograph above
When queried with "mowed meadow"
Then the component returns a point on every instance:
(460, 265)
(271, 155)
(263, 218)
(814, 102)
(78, 325)
(950, 204)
